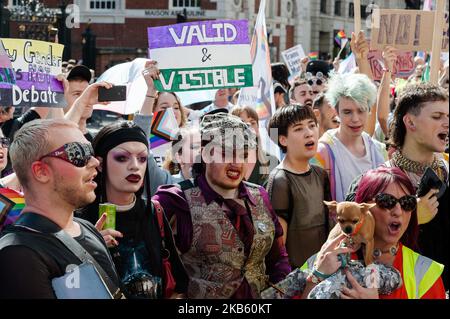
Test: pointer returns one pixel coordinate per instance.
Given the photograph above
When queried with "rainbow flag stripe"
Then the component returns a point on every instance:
(19, 203)
(339, 36)
(313, 55)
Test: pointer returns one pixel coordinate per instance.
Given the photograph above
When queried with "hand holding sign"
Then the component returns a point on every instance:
(359, 45)
(151, 73)
(389, 57)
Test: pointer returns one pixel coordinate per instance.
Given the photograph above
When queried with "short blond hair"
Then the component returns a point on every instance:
(32, 142)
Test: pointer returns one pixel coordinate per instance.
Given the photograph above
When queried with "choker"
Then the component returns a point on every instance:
(378, 252)
(124, 208)
(412, 166)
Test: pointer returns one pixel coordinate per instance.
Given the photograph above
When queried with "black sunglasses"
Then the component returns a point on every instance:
(386, 201)
(315, 81)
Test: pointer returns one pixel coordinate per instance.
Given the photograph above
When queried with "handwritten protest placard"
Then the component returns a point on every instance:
(202, 55)
(409, 30)
(403, 66)
(292, 59)
(36, 65)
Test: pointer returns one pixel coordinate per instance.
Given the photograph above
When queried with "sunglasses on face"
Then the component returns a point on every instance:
(386, 201)
(77, 154)
(4, 142)
(315, 81)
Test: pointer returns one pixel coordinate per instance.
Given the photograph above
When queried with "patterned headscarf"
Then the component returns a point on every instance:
(227, 130)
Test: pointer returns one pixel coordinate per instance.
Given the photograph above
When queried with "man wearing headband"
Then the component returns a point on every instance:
(57, 175)
(229, 238)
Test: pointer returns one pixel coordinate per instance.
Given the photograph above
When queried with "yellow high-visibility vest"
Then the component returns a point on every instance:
(426, 271)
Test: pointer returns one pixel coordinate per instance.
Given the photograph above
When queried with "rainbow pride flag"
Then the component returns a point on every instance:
(313, 55)
(339, 36)
(11, 205)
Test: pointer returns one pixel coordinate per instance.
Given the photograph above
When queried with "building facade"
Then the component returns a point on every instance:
(120, 26)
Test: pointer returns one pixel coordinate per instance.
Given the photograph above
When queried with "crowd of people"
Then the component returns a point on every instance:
(223, 217)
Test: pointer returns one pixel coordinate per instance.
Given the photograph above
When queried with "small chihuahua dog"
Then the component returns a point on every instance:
(357, 223)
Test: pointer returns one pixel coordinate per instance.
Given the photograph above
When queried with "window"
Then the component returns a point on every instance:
(364, 14)
(323, 6)
(337, 8)
(351, 11)
(186, 3)
(103, 4)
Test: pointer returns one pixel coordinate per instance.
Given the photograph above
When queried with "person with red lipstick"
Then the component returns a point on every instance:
(296, 188)
(136, 244)
(227, 233)
(347, 152)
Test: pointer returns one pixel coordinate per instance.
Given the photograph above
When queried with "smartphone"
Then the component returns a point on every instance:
(116, 93)
(428, 181)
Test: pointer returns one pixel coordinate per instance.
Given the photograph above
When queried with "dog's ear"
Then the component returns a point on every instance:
(331, 205)
(365, 206)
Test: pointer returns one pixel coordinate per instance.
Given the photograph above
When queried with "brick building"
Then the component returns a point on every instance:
(120, 25)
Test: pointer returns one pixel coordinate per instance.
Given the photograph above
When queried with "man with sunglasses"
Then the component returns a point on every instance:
(56, 166)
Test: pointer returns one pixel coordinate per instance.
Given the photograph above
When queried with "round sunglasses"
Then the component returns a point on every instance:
(386, 201)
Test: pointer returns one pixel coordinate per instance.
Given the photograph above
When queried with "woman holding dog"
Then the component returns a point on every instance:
(395, 239)
(396, 231)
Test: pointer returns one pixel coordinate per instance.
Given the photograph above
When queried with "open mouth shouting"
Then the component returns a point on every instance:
(310, 145)
(443, 137)
(233, 173)
(394, 228)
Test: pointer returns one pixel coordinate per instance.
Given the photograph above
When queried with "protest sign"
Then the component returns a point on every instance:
(292, 59)
(202, 55)
(36, 65)
(403, 66)
(409, 30)
(438, 38)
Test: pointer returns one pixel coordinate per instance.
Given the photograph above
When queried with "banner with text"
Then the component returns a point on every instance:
(36, 65)
(202, 55)
(409, 30)
(292, 59)
(403, 66)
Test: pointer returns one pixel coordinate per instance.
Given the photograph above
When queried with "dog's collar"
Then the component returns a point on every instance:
(358, 226)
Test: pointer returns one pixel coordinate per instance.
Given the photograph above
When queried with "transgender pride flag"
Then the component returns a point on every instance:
(11, 205)
(260, 96)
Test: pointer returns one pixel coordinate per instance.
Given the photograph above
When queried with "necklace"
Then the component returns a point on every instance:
(412, 166)
(377, 252)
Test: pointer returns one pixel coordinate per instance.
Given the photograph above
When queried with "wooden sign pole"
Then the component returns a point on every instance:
(437, 42)
(357, 14)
